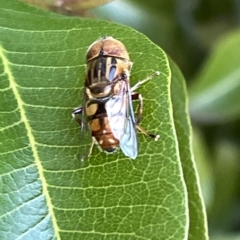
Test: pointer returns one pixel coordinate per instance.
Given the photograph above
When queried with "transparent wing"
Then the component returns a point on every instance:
(122, 121)
(86, 140)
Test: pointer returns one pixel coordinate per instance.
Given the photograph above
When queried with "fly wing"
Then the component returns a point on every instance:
(122, 121)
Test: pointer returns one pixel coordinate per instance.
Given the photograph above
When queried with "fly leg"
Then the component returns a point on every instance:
(138, 96)
(86, 152)
(155, 137)
(137, 85)
(83, 157)
(75, 112)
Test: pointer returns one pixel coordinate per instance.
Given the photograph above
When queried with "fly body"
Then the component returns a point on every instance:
(107, 116)
(108, 65)
(98, 123)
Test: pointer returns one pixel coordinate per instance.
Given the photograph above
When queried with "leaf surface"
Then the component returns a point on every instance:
(197, 215)
(214, 95)
(46, 192)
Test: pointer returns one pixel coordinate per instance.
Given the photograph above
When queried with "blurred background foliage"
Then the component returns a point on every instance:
(203, 38)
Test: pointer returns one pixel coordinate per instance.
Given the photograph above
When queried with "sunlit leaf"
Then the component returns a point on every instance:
(214, 96)
(46, 192)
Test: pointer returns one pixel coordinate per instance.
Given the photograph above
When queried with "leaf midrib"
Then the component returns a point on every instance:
(14, 86)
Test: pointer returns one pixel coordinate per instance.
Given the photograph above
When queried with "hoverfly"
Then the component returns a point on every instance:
(107, 115)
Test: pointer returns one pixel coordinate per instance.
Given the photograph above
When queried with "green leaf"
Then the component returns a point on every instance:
(197, 214)
(214, 96)
(226, 163)
(46, 192)
(203, 159)
(235, 236)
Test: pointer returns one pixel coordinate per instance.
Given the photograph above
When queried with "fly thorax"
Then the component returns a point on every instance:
(100, 90)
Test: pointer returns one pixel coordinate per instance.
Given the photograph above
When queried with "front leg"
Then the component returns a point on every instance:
(138, 84)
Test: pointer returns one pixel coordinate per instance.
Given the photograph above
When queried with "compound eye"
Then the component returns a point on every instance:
(112, 73)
